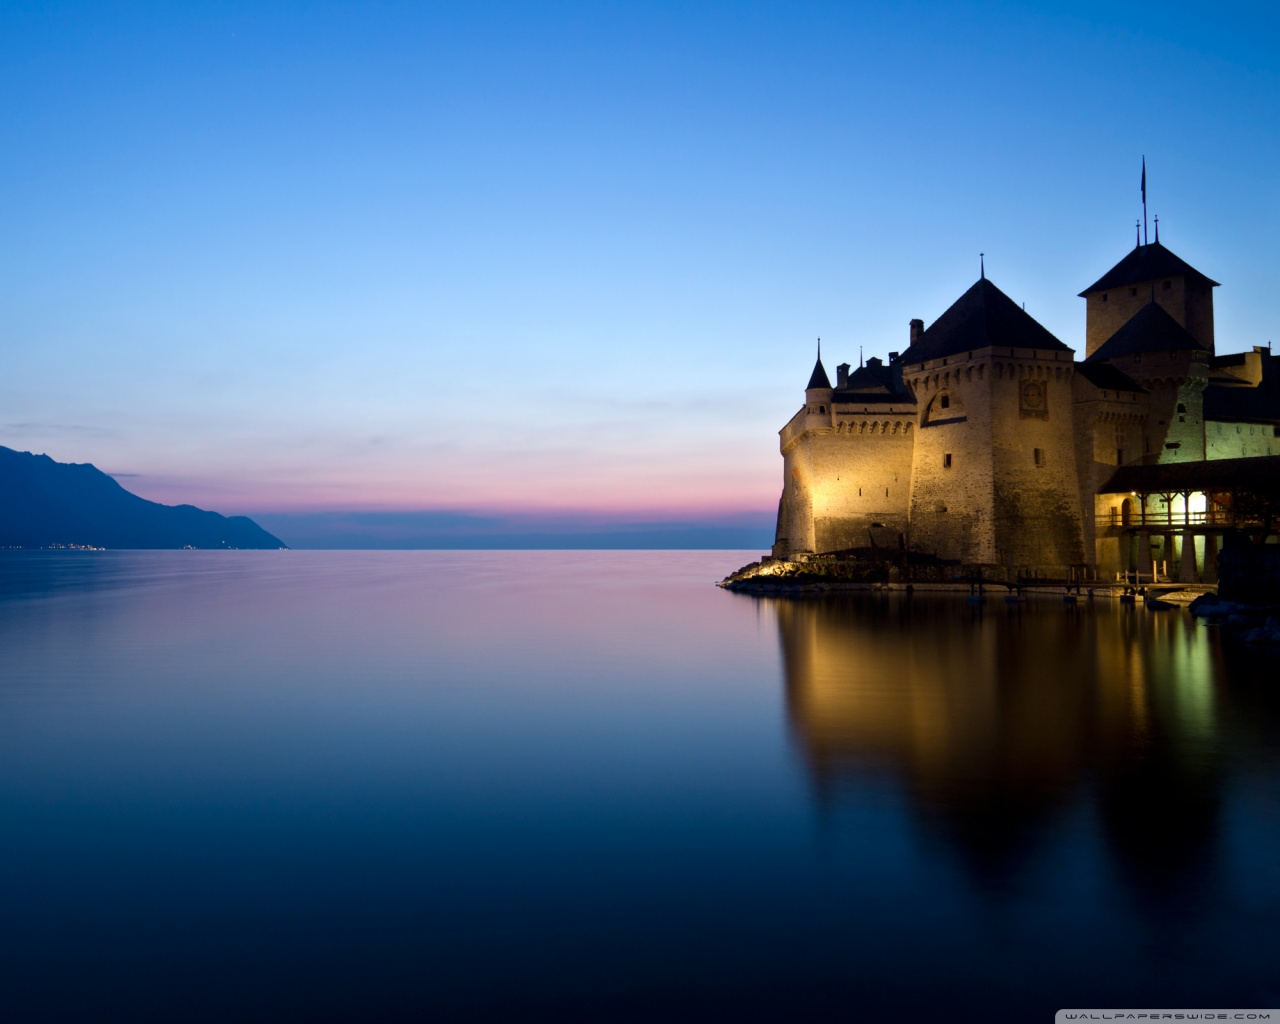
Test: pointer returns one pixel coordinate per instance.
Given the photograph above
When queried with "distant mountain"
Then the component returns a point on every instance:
(51, 504)
(751, 530)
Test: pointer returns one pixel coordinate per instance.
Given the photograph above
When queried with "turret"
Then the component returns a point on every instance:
(817, 395)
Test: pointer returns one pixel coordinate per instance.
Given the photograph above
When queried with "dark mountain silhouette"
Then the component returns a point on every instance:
(47, 504)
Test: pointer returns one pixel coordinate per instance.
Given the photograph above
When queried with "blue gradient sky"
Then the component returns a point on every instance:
(571, 257)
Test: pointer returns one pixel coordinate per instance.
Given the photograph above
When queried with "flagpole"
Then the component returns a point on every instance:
(1144, 200)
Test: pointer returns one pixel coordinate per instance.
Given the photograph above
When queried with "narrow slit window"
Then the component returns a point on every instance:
(946, 461)
(1038, 455)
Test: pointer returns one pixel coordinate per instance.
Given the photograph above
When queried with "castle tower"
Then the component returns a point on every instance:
(993, 474)
(1150, 273)
(795, 530)
(1166, 360)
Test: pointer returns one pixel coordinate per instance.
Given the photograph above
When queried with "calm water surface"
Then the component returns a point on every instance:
(555, 785)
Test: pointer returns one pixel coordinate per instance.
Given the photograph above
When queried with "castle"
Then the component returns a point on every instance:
(986, 443)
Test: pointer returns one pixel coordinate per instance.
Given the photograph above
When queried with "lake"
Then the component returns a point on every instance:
(592, 786)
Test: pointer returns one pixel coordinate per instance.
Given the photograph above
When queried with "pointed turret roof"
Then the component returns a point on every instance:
(819, 378)
(1145, 263)
(982, 317)
(1151, 329)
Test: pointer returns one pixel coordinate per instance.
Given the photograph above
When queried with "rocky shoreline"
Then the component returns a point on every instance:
(1253, 623)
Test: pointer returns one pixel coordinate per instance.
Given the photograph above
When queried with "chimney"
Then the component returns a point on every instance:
(917, 329)
(842, 375)
(893, 358)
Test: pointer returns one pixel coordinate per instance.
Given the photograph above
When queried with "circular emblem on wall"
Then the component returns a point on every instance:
(1033, 397)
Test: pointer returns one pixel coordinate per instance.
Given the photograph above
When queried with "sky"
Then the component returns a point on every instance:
(572, 259)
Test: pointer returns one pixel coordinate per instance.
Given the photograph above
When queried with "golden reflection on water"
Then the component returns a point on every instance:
(995, 718)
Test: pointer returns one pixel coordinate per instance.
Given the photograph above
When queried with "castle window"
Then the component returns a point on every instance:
(1167, 285)
(1038, 454)
(946, 461)
(1104, 296)
(1275, 431)
(945, 402)
(1133, 291)
(1181, 407)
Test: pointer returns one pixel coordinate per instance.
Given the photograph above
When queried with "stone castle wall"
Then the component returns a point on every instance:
(1175, 382)
(848, 480)
(952, 479)
(1036, 494)
(1240, 440)
(1109, 427)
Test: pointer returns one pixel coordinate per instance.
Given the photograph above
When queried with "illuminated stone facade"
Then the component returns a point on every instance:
(987, 443)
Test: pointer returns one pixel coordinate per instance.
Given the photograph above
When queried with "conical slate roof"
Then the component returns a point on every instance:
(819, 378)
(1145, 263)
(1151, 329)
(982, 317)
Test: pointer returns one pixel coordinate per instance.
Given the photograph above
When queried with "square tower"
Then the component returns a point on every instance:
(993, 474)
(1150, 273)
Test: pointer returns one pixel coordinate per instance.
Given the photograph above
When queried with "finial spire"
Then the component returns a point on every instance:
(1144, 199)
(1137, 230)
(859, 357)
(1157, 229)
(819, 378)
(982, 265)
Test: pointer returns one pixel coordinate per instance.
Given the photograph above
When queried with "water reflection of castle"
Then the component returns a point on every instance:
(994, 723)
